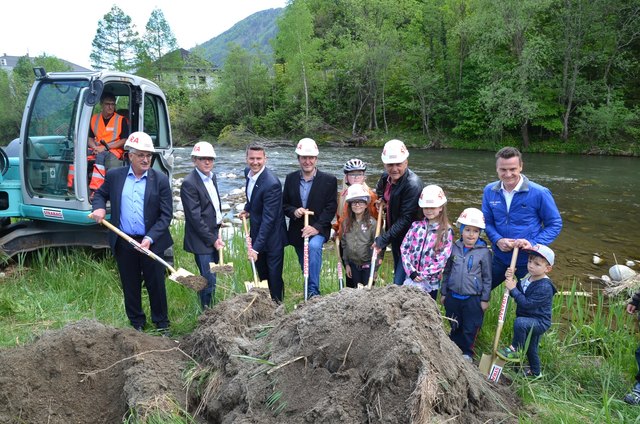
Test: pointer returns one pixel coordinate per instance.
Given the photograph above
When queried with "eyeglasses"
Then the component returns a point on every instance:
(146, 156)
(359, 202)
(205, 159)
(110, 104)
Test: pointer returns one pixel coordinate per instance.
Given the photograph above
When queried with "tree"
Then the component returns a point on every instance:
(116, 42)
(158, 39)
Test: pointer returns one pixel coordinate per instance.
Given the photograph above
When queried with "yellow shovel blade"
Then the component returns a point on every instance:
(248, 285)
(485, 364)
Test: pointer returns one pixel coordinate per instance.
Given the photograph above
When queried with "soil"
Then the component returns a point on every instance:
(357, 356)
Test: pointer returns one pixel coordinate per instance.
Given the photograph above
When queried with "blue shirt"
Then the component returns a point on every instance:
(132, 207)
(305, 188)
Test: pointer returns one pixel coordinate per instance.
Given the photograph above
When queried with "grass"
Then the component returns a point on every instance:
(587, 356)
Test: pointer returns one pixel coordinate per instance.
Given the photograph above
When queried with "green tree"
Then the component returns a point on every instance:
(116, 43)
(158, 38)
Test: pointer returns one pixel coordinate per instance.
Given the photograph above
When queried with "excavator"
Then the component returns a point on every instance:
(39, 206)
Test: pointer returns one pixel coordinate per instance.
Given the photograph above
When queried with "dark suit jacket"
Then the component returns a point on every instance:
(268, 229)
(201, 230)
(322, 201)
(158, 205)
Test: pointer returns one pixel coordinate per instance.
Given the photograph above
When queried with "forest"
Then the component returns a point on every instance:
(548, 75)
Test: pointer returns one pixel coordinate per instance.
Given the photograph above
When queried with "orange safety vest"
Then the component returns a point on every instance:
(109, 132)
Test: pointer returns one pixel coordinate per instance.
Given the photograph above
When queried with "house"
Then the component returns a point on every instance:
(183, 67)
(7, 63)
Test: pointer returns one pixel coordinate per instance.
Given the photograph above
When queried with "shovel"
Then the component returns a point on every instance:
(492, 365)
(337, 246)
(256, 283)
(180, 276)
(221, 267)
(305, 270)
(374, 256)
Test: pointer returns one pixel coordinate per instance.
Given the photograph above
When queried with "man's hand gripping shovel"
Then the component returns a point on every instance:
(256, 283)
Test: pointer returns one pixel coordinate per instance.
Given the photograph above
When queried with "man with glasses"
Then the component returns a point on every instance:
(107, 135)
(142, 207)
(203, 216)
(398, 189)
(309, 189)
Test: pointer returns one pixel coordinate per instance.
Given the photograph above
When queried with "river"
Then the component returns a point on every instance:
(598, 197)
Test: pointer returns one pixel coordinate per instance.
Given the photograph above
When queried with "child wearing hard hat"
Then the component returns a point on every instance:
(466, 282)
(358, 230)
(427, 245)
(533, 296)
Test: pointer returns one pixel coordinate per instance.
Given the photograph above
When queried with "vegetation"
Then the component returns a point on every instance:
(550, 75)
(587, 356)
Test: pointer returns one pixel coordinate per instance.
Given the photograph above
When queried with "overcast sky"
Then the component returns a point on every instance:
(66, 28)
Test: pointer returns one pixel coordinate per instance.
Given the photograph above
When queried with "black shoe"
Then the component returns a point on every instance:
(138, 328)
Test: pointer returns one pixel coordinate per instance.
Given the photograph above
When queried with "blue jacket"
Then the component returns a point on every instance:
(533, 215)
(468, 273)
(536, 302)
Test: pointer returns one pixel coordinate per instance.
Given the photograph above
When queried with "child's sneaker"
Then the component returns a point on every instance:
(526, 371)
(633, 397)
(509, 354)
(467, 357)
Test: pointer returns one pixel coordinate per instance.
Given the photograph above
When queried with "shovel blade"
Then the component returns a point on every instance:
(187, 279)
(248, 285)
(496, 369)
(485, 364)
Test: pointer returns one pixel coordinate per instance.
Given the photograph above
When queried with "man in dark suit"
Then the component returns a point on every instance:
(203, 216)
(141, 206)
(310, 189)
(268, 229)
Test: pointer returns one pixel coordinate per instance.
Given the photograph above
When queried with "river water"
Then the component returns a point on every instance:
(598, 197)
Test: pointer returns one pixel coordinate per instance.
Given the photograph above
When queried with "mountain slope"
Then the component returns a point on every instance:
(253, 32)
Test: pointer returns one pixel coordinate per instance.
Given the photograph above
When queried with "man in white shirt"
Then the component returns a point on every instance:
(203, 216)
(268, 228)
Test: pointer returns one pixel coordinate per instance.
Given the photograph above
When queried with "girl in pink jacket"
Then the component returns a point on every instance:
(427, 245)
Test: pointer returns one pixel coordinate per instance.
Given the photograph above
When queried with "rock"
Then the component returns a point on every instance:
(630, 263)
(621, 272)
(606, 278)
(597, 260)
(240, 207)
(225, 206)
(236, 191)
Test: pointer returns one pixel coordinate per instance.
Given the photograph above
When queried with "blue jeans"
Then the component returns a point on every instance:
(209, 292)
(398, 270)
(521, 328)
(315, 263)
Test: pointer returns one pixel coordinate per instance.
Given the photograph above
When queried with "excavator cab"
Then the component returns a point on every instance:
(36, 185)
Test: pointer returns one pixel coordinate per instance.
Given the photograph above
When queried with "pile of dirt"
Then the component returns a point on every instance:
(356, 356)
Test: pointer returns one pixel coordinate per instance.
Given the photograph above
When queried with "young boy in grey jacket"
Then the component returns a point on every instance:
(466, 285)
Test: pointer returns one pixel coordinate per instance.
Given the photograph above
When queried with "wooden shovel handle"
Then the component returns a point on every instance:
(503, 305)
(306, 217)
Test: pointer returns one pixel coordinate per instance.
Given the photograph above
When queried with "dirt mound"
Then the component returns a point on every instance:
(356, 356)
(89, 373)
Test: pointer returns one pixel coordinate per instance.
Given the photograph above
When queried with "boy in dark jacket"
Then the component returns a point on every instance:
(533, 296)
(466, 283)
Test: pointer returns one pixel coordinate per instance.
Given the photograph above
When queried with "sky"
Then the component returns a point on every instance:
(66, 28)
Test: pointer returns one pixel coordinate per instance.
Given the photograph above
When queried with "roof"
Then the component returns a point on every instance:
(9, 62)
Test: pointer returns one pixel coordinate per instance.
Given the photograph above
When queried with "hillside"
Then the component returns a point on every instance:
(252, 33)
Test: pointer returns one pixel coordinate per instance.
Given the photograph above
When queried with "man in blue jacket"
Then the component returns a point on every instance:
(517, 212)
(268, 229)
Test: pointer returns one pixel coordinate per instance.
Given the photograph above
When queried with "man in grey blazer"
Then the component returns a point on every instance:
(310, 189)
(142, 207)
(203, 216)
(268, 229)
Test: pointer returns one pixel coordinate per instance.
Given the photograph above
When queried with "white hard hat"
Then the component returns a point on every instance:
(432, 196)
(357, 192)
(203, 149)
(307, 147)
(394, 152)
(473, 217)
(140, 141)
